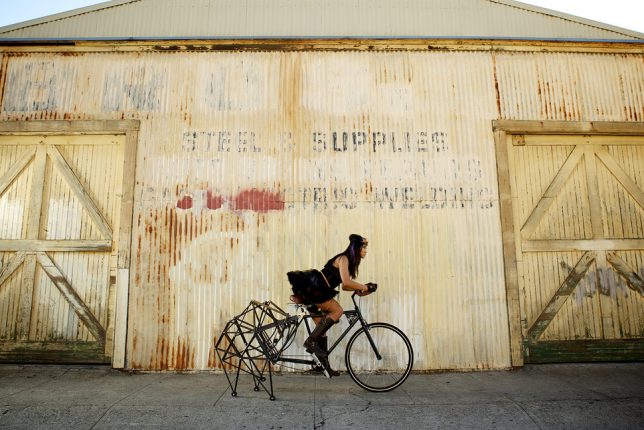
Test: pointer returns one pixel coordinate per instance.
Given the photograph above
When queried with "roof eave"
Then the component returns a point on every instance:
(366, 38)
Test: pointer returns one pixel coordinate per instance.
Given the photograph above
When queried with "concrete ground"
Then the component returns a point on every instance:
(572, 396)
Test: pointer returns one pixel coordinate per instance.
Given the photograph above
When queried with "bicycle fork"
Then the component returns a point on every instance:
(365, 326)
(353, 316)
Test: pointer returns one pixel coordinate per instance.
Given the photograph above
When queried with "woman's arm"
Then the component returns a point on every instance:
(349, 284)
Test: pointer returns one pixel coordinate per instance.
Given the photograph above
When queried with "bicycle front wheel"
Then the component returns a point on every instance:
(379, 357)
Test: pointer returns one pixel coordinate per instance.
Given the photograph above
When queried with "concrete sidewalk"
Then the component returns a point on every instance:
(577, 396)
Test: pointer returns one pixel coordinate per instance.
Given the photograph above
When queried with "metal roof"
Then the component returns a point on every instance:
(241, 19)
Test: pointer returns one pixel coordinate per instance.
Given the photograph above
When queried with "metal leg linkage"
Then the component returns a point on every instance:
(253, 341)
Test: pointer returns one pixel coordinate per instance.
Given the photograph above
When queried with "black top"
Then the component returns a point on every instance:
(332, 273)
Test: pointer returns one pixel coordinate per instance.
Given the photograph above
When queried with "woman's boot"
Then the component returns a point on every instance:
(324, 344)
(312, 343)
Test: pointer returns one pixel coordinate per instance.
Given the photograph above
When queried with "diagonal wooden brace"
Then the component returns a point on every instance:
(560, 297)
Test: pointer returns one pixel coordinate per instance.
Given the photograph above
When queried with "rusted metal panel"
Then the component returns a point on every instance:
(253, 164)
(315, 19)
(278, 157)
(571, 87)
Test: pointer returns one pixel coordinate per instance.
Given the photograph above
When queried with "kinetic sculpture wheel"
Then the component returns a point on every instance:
(254, 340)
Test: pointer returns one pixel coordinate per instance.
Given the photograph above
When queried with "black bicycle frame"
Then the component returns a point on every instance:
(353, 316)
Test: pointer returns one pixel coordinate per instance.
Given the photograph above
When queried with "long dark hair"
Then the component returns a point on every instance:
(352, 253)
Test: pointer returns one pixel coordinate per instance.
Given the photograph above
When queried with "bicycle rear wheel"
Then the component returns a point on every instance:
(388, 371)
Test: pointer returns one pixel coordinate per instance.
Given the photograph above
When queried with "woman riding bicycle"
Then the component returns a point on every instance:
(318, 289)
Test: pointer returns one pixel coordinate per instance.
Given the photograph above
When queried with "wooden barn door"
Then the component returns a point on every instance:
(578, 218)
(59, 209)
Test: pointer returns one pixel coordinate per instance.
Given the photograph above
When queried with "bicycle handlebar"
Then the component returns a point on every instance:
(372, 287)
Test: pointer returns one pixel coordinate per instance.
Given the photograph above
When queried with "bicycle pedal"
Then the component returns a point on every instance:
(317, 360)
(319, 363)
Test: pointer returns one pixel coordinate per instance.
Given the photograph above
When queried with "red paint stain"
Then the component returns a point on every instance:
(185, 203)
(247, 200)
(213, 202)
(258, 201)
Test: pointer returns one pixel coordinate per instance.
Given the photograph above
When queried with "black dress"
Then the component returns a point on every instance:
(316, 286)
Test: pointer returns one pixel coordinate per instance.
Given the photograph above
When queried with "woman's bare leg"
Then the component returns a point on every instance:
(332, 309)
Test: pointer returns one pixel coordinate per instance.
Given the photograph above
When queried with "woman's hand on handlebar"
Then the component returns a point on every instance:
(371, 288)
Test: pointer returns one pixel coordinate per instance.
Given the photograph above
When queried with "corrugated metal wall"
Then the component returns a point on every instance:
(571, 87)
(253, 164)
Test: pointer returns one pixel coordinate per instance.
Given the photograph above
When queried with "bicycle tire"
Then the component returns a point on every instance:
(397, 357)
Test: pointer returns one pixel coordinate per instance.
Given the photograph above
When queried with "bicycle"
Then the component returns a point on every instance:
(378, 356)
